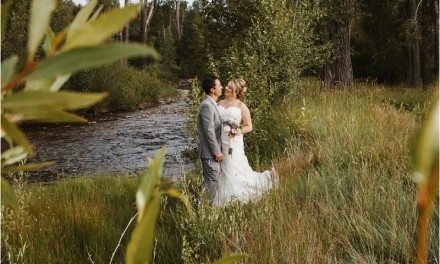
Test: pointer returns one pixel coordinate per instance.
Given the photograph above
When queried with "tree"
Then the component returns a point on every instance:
(147, 12)
(179, 20)
(378, 42)
(413, 44)
(16, 30)
(429, 40)
(336, 25)
(126, 29)
(190, 48)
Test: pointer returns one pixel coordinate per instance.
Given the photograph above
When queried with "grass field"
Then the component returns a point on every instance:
(345, 194)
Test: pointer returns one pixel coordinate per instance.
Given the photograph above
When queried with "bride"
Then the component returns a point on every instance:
(239, 182)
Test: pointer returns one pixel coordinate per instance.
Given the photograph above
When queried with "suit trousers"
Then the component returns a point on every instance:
(211, 176)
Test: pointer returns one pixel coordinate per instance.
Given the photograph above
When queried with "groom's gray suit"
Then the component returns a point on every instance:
(209, 127)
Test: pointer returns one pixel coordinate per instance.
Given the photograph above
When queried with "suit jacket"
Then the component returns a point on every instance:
(209, 128)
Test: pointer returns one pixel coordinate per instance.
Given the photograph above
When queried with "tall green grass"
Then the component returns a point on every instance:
(68, 222)
(345, 194)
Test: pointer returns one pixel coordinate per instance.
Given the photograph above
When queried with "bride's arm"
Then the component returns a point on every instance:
(247, 121)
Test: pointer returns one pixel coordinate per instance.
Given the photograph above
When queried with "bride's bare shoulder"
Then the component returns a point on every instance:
(242, 105)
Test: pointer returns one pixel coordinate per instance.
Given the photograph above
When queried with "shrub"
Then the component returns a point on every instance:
(126, 86)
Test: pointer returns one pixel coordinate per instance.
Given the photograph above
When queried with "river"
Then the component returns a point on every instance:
(118, 143)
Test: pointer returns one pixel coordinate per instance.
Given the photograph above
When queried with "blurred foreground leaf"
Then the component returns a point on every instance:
(86, 58)
(183, 198)
(14, 133)
(140, 248)
(50, 84)
(426, 154)
(96, 31)
(53, 117)
(13, 155)
(426, 166)
(8, 68)
(27, 167)
(48, 42)
(24, 102)
(81, 18)
(41, 11)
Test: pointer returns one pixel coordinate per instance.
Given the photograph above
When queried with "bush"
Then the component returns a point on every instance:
(126, 86)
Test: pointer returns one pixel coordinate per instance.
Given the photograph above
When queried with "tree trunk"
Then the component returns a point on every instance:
(340, 72)
(126, 30)
(428, 15)
(146, 16)
(414, 79)
(178, 20)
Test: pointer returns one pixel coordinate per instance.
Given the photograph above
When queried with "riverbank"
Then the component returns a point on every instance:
(345, 195)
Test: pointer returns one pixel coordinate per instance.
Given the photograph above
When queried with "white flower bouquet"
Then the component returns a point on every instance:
(232, 128)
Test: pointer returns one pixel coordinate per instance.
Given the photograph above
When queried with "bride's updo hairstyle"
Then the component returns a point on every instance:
(240, 87)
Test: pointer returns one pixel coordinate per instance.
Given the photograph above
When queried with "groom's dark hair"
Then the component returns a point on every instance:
(208, 83)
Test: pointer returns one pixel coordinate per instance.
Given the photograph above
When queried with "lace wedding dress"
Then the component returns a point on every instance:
(238, 181)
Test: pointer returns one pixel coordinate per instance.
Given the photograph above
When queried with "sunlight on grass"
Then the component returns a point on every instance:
(345, 194)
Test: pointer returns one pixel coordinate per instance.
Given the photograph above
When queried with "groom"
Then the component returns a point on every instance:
(209, 128)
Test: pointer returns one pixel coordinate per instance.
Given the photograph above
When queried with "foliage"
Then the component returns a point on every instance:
(148, 200)
(190, 49)
(66, 52)
(270, 48)
(379, 40)
(127, 87)
(16, 30)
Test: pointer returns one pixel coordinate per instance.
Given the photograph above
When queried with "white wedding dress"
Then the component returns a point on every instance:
(238, 181)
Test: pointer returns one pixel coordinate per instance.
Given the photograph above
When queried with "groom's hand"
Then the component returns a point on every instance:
(219, 157)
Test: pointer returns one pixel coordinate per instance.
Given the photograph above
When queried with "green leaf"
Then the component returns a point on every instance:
(39, 84)
(13, 132)
(50, 84)
(97, 31)
(140, 247)
(58, 83)
(176, 194)
(150, 181)
(54, 117)
(8, 69)
(427, 151)
(81, 18)
(27, 167)
(86, 58)
(8, 194)
(97, 12)
(232, 258)
(41, 11)
(13, 155)
(48, 42)
(43, 101)
(5, 14)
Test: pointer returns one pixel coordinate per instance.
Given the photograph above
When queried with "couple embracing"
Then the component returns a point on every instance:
(227, 175)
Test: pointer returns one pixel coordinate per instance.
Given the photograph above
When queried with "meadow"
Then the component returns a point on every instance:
(346, 193)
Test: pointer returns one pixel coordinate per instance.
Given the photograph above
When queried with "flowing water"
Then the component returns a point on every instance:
(114, 144)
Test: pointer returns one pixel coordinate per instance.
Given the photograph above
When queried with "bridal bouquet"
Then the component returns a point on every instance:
(232, 128)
